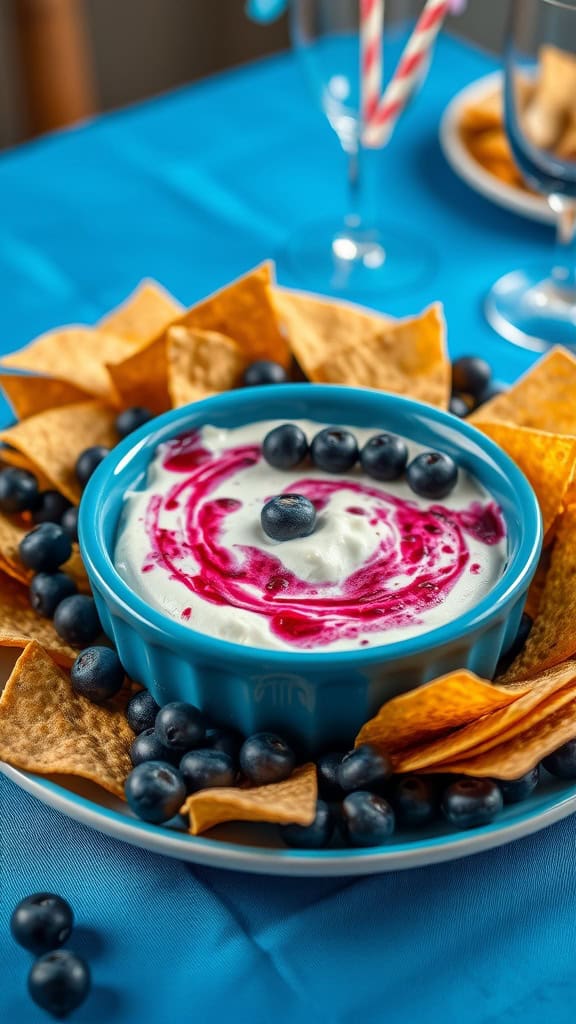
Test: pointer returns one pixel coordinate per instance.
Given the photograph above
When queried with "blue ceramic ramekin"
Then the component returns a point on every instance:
(318, 700)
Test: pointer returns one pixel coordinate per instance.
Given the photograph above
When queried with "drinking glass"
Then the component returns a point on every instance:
(536, 306)
(359, 253)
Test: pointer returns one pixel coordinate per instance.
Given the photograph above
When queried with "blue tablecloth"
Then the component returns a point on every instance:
(193, 189)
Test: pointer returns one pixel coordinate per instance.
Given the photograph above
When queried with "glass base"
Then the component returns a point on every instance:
(531, 309)
(348, 259)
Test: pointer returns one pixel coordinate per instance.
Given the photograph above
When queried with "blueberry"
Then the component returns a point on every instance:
(266, 758)
(314, 836)
(48, 589)
(363, 768)
(141, 711)
(468, 802)
(41, 922)
(228, 741)
(384, 457)
(368, 819)
(264, 371)
(207, 769)
(69, 522)
(334, 450)
(471, 375)
(414, 800)
(458, 406)
(180, 726)
(59, 982)
(284, 447)
(155, 791)
(131, 419)
(97, 674)
(147, 747)
(562, 762)
(50, 508)
(288, 516)
(45, 548)
(18, 490)
(517, 645)
(327, 767)
(88, 461)
(432, 475)
(516, 790)
(76, 620)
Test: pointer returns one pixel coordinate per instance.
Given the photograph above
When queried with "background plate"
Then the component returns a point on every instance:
(464, 165)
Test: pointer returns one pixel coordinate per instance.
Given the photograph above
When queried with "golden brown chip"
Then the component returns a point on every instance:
(494, 727)
(31, 394)
(201, 363)
(54, 439)
(428, 711)
(490, 145)
(75, 355)
(552, 638)
(405, 358)
(142, 378)
(542, 398)
(144, 314)
(548, 460)
(46, 728)
(316, 328)
(566, 145)
(483, 115)
(553, 100)
(514, 757)
(537, 586)
(12, 530)
(290, 802)
(18, 621)
(244, 311)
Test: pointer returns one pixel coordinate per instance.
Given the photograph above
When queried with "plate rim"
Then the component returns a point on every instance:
(217, 853)
(469, 171)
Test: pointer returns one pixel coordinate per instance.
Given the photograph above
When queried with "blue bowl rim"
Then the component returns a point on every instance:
(173, 635)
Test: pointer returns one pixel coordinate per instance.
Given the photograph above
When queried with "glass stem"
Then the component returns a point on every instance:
(363, 175)
(564, 271)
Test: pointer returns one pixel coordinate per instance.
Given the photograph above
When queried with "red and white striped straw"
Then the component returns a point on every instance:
(404, 79)
(371, 27)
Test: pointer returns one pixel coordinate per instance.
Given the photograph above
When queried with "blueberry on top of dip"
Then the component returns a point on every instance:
(382, 563)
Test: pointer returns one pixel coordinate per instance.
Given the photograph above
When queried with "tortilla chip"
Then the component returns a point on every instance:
(11, 457)
(144, 314)
(18, 622)
(142, 378)
(46, 728)
(566, 145)
(404, 358)
(290, 802)
(12, 530)
(547, 460)
(543, 398)
(490, 145)
(428, 711)
(316, 328)
(201, 363)
(54, 439)
(553, 100)
(74, 355)
(244, 311)
(536, 588)
(30, 395)
(514, 757)
(552, 638)
(497, 726)
(485, 114)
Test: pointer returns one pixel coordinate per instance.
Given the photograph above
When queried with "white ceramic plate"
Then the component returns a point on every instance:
(464, 165)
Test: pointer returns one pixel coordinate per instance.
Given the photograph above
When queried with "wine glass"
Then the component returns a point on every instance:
(359, 253)
(536, 306)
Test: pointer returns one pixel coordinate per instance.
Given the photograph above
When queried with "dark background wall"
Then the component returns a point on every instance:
(141, 47)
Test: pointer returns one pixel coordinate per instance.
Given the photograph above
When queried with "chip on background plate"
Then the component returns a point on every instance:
(292, 802)
(407, 357)
(75, 355)
(547, 460)
(47, 728)
(543, 398)
(31, 394)
(144, 314)
(54, 439)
